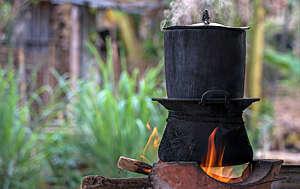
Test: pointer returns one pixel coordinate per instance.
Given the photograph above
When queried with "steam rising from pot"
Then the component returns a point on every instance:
(185, 12)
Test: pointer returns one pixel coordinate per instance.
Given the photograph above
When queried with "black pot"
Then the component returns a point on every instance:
(205, 57)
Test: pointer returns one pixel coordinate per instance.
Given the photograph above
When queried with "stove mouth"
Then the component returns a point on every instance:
(213, 165)
(228, 174)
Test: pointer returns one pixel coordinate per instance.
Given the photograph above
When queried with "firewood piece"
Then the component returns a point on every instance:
(100, 182)
(134, 165)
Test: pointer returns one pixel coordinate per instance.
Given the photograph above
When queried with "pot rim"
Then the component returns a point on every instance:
(206, 26)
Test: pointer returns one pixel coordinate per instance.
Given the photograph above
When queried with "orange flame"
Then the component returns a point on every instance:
(214, 157)
(152, 143)
(148, 126)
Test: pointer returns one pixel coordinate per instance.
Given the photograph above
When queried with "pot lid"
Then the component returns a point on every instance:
(206, 25)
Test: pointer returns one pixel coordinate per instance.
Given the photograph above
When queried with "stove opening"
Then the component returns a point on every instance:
(214, 156)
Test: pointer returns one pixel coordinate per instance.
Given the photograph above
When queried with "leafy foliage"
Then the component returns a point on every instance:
(288, 64)
(19, 159)
(61, 167)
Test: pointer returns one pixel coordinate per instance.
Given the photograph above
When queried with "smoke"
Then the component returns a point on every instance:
(184, 12)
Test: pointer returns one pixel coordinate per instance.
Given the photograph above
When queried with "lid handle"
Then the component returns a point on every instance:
(205, 17)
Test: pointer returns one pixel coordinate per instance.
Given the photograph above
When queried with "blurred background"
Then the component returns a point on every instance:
(77, 78)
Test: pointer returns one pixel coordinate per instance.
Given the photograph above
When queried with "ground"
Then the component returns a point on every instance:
(287, 120)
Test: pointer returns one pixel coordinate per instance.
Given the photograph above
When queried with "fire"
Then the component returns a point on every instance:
(152, 144)
(148, 126)
(214, 157)
(147, 170)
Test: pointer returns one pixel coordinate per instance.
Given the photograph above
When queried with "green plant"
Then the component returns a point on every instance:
(60, 165)
(62, 169)
(19, 156)
(288, 64)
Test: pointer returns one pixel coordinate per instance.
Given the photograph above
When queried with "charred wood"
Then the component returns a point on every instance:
(100, 182)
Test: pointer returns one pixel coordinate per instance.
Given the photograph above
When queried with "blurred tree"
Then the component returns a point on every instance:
(9, 10)
(132, 44)
(254, 69)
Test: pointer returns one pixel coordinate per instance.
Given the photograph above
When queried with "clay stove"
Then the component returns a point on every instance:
(205, 73)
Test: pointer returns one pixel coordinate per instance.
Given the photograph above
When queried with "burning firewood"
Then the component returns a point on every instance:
(134, 165)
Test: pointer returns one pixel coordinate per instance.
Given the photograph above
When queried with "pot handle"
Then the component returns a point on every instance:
(205, 99)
